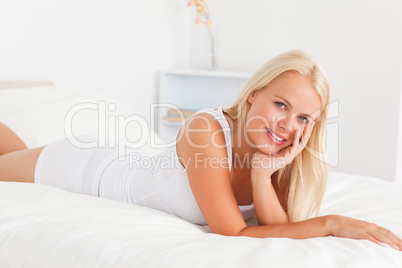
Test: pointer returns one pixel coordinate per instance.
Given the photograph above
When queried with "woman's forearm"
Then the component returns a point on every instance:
(267, 206)
(315, 227)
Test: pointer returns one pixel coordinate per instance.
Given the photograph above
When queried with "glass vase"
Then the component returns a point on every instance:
(210, 53)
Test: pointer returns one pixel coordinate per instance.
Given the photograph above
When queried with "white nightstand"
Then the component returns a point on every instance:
(194, 90)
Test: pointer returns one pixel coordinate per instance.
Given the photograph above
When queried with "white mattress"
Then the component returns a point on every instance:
(41, 226)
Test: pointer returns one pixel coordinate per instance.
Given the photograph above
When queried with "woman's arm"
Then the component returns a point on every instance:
(335, 225)
(9, 141)
(211, 187)
(268, 209)
(200, 143)
(315, 227)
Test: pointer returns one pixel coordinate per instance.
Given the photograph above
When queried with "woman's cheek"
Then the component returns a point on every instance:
(274, 115)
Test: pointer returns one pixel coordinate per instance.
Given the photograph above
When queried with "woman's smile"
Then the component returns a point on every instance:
(275, 138)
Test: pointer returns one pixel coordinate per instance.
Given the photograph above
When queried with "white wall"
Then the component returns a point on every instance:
(359, 45)
(115, 47)
(398, 172)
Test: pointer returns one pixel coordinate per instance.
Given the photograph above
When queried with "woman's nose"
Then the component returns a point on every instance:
(286, 123)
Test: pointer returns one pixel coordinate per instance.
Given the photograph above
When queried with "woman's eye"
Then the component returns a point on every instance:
(303, 119)
(280, 104)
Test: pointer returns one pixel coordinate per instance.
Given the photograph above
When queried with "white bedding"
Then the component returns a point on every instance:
(41, 226)
(38, 115)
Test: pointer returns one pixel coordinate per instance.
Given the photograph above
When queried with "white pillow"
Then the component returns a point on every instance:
(41, 115)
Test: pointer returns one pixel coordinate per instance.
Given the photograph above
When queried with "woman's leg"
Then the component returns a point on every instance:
(19, 165)
(9, 141)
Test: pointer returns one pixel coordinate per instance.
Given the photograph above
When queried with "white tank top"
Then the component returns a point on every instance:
(162, 185)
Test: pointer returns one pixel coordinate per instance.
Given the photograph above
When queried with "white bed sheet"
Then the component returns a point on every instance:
(41, 226)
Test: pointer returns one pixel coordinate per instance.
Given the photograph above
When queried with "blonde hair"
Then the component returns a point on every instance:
(303, 181)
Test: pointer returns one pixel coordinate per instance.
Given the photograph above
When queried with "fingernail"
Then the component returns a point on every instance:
(395, 247)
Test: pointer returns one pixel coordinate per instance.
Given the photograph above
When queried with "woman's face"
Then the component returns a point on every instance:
(287, 104)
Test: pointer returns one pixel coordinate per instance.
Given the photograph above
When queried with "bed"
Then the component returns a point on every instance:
(42, 226)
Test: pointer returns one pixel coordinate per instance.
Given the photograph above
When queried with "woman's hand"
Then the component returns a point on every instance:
(341, 226)
(266, 165)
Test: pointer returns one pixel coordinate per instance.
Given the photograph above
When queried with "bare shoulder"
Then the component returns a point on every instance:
(201, 131)
(201, 145)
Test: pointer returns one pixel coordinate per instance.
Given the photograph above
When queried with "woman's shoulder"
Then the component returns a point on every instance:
(202, 133)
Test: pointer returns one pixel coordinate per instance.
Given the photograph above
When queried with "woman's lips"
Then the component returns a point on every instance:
(273, 139)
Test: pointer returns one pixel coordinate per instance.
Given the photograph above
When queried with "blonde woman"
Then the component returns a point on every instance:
(261, 156)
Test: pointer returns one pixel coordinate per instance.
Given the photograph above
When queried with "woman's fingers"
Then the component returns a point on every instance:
(382, 236)
(290, 152)
(385, 239)
(298, 144)
(372, 239)
(296, 141)
(395, 240)
(357, 229)
(306, 135)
